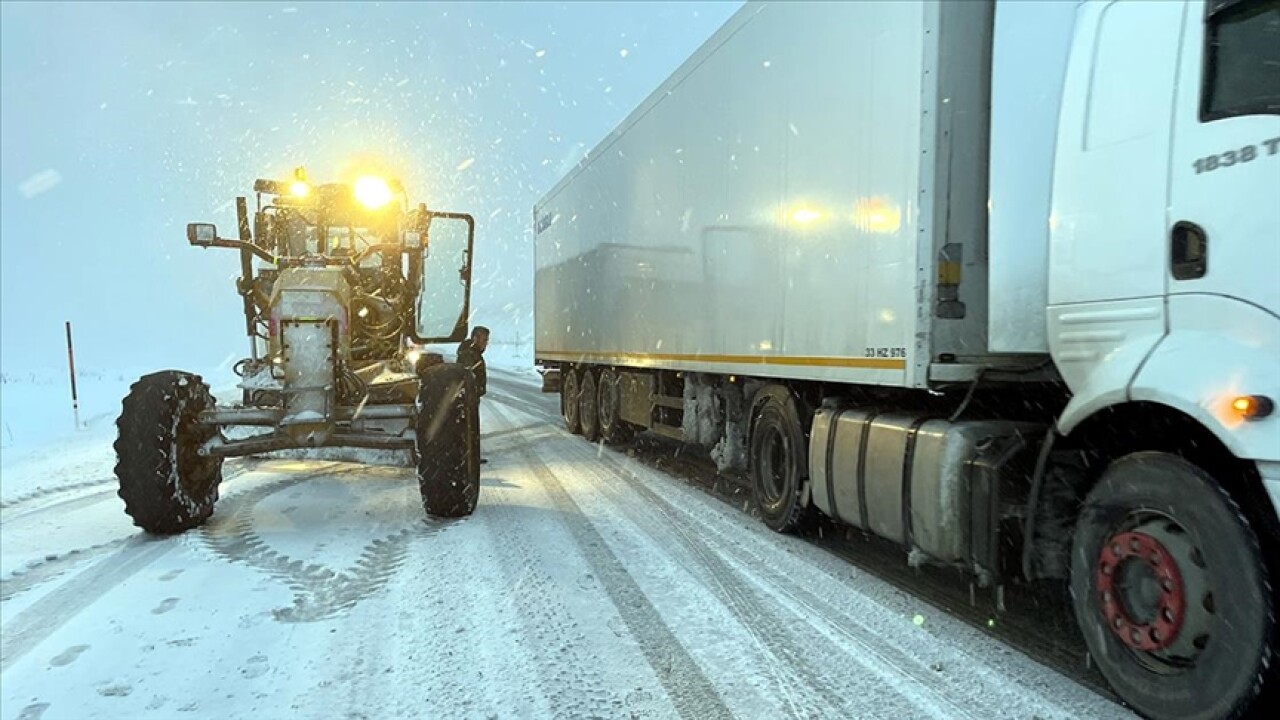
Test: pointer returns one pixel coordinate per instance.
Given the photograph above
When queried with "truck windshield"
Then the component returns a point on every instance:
(1242, 59)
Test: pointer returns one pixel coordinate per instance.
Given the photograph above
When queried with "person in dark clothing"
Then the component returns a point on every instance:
(471, 357)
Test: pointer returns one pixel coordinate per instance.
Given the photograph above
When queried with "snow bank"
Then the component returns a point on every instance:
(42, 450)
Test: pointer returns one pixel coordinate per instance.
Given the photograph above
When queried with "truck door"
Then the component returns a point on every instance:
(1110, 195)
(1224, 208)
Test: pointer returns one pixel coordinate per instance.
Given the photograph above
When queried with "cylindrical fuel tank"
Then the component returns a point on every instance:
(937, 487)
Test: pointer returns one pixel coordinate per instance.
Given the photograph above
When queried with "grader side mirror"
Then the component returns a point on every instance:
(202, 234)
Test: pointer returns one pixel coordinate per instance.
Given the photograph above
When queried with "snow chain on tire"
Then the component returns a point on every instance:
(448, 441)
(167, 487)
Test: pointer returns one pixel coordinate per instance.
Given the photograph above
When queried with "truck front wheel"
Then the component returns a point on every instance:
(1171, 590)
(448, 441)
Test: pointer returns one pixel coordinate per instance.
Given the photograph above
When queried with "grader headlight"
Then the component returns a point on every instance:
(372, 192)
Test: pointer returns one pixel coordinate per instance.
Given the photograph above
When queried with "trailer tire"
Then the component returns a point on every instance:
(448, 441)
(589, 405)
(166, 485)
(778, 461)
(613, 429)
(1170, 588)
(570, 389)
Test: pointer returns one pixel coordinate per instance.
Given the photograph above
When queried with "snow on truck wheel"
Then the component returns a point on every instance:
(778, 460)
(1171, 590)
(166, 485)
(569, 392)
(588, 405)
(448, 441)
(613, 429)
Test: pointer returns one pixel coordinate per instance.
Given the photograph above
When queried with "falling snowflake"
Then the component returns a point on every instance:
(41, 182)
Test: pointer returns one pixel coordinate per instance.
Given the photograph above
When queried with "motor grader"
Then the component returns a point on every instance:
(341, 284)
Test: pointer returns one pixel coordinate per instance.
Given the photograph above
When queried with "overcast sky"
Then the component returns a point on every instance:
(120, 123)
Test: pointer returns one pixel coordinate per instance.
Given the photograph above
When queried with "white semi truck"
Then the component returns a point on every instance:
(996, 280)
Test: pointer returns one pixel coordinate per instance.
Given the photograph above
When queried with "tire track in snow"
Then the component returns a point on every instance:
(506, 397)
(243, 466)
(53, 566)
(688, 687)
(835, 621)
(319, 592)
(65, 505)
(656, 516)
(451, 613)
(40, 493)
(565, 665)
(488, 674)
(803, 655)
(855, 626)
(34, 624)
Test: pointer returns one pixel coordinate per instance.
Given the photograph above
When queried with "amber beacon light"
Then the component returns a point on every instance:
(1252, 407)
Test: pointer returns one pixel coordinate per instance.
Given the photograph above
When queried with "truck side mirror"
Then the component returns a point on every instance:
(202, 234)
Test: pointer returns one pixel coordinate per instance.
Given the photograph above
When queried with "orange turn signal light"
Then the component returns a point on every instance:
(1252, 407)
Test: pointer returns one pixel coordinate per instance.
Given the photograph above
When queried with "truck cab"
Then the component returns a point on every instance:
(1165, 225)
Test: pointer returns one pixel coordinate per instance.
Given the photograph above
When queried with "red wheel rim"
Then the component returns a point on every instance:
(1161, 630)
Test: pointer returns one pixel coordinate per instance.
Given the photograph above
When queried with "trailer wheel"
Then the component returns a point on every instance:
(1171, 591)
(588, 405)
(778, 462)
(570, 389)
(448, 441)
(166, 485)
(613, 428)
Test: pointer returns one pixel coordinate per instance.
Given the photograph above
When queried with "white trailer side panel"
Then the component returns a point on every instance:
(762, 212)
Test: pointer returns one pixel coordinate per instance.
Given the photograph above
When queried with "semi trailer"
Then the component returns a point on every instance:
(998, 281)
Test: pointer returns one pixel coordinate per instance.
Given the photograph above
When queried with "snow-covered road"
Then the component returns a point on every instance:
(586, 585)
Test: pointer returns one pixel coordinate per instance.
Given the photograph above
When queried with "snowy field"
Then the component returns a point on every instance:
(43, 450)
(585, 585)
